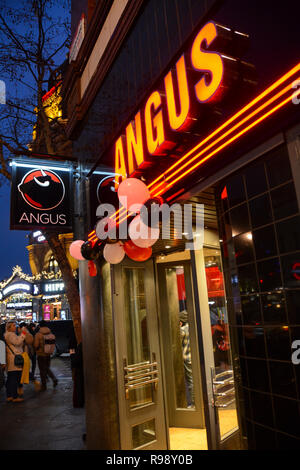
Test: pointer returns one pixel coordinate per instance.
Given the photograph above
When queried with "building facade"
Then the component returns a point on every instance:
(200, 99)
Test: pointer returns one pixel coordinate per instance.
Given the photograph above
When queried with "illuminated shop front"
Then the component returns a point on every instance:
(205, 111)
(33, 298)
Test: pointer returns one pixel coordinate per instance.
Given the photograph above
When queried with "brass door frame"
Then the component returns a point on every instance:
(155, 410)
(179, 417)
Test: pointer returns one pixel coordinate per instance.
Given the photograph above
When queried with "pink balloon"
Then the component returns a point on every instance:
(133, 191)
(114, 253)
(75, 249)
(142, 235)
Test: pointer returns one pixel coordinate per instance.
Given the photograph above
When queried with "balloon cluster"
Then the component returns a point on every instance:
(133, 194)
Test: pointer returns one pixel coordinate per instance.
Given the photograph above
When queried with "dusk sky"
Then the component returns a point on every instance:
(13, 242)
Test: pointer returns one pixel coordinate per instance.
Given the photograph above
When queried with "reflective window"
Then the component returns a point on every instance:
(243, 246)
(293, 306)
(143, 434)
(265, 291)
(256, 181)
(235, 190)
(273, 306)
(284, 201)
(291, 270)
(260, 211)
(239, 220)
(269, 274)
(278, 343)
(288, 233)
(265, 242)
(247, 279)
(251, 310)
(224, 379)
(278, 166)
(283, 379)
(254, 341)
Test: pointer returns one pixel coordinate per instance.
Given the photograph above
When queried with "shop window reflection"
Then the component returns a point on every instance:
(239, 220)
(224, 379)
(288, 233)
(273, 306)
(284, 201)
(243, 247)
(217, 309)
(260, 211)
(269, 275)
(181, 348)
(251, 310)
(256, 182)
(278, 166)
(247, 279)
(264, 242)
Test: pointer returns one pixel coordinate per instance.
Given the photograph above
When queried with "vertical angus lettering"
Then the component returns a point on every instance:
(135, 150)
(178, 120)
(207, 61)
(120, 166)
(154, 123)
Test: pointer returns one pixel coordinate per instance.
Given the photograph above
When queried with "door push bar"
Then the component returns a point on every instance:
(220, 383)
(139, 375)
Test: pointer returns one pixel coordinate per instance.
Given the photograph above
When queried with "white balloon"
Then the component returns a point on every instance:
(114, 253)
(142, 235)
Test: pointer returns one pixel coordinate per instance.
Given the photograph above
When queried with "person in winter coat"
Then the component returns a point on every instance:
(2, 363)
(14, 345)
(43, 359)
(27, 347)
(2, 355)
(32, 330)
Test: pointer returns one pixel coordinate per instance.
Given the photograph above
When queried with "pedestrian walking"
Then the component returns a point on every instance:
(2, 363)
(44, 344)
(33, 329)
(27, 348)
(14, 360)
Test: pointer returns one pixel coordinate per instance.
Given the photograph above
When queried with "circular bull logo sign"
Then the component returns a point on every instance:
(42, 189)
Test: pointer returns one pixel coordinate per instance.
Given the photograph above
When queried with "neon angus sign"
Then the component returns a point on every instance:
(272, 100)
(198, 78)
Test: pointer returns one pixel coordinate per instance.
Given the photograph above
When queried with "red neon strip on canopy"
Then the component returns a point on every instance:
(275, 85)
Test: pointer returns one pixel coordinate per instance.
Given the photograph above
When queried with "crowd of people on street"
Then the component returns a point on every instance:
(21, 348)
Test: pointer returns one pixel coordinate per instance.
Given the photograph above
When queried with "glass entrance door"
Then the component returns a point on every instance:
(141, 408)
(222, 371)
(180, 354)
(221, 413)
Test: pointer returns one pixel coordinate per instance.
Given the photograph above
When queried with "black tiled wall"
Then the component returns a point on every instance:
(156, 36)
(260, 228)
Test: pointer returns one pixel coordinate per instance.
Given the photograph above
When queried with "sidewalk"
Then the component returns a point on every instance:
(46, 420)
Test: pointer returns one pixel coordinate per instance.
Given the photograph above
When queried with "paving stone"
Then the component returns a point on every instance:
(45, 420)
